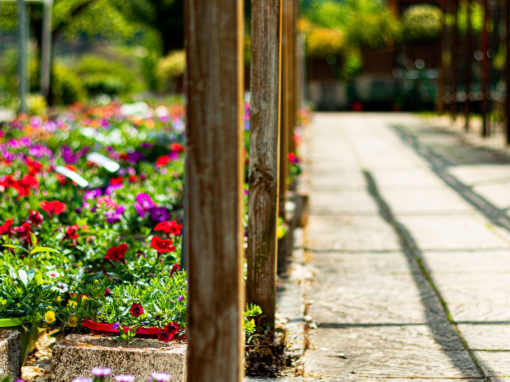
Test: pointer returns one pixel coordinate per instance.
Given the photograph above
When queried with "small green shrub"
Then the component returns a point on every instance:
(67, 86)
(324, 42)
(37, 105)
(373, 30)
(172, 66)
(104, 76)
(422, 23)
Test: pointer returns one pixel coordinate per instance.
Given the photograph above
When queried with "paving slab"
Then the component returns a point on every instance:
(494, 363)
(487, 335)
(342, 202)
(426, 201)
(407, 179)
(350, 232)
(450, 232)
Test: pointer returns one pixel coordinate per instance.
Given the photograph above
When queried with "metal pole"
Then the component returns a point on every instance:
(22, 46)
(46, 49)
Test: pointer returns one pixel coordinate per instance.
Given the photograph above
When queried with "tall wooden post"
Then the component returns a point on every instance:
(46, 48)
(442, 65)
(264, 155)
(507, 71)
(455, 61)
(214, 89)
(285, 107)
(485, 68)
(468, 57)
(23, 61)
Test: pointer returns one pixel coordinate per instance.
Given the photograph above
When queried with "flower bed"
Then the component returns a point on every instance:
(91, 221)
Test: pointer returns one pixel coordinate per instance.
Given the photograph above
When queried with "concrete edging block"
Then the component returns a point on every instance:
(77, 354)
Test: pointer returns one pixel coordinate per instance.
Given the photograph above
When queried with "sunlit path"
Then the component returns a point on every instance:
(409, 243)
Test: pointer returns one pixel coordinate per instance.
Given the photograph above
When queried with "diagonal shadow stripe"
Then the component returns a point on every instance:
(440, 165)
(414, 257)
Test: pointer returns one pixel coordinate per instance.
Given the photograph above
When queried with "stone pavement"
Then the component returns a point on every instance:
(408, 239)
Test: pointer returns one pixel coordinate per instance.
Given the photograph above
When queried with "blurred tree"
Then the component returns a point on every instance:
(163, 16)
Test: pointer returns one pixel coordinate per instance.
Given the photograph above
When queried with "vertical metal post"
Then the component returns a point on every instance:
(46, 48)
(22, 47)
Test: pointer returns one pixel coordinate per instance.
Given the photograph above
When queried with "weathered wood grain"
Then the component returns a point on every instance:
(264, 155)
(214, 88)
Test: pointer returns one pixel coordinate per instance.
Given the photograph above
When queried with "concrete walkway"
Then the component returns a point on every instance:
(409, 241)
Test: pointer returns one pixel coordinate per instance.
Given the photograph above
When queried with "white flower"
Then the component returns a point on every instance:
(124, 378)
(53, 274)
(62, 287)
(161, 377)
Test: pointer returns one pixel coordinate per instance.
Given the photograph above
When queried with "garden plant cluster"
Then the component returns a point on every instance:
(91, 222)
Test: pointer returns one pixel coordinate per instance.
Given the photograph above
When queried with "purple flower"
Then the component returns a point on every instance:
(8, 156)
(160, 214)
(112, 188)
(145, 201)
(180, 298)
(101, 372)
(146, 145)
(116, 326)
(39, 151)
(134, 157)
(143, 204)
(81, 379)
(114, 216)
(92, 194)
(105, 123)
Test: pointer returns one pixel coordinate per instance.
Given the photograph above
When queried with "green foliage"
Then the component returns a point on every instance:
(324, 42)
(422, 23)
(24, 293)
(105, 76)
(171, 67)
(373, 30)
(476, 18)
(37, 105)
(67, 86)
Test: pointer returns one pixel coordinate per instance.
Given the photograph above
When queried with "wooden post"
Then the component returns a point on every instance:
(485, 69)
(507, 71)
(455, 61)
(46, 48)
(468, 57)
(214, 89)
(264, 155)
(442, 65)
(23, 61)
(285, 109)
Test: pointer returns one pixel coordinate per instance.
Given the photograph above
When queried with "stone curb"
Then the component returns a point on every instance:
(10, 349)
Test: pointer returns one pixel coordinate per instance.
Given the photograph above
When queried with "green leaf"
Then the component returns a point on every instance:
(43, 249)
(33, 239)
(23, 277)
(15, 246)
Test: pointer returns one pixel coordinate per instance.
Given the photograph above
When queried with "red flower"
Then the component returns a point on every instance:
(164, 336)
(33, 166)
(169, 227)
(136, 310)
(175, 268)
(35, 217)
(163, 161)
(72, 232)
(6, 228)
(177, 147)
(293, 158)
(169, 332)
(23, 231)
(117, 180)
(54, 207)
(117, 253)
(107, 292)
(133, 179)
(162, 246)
